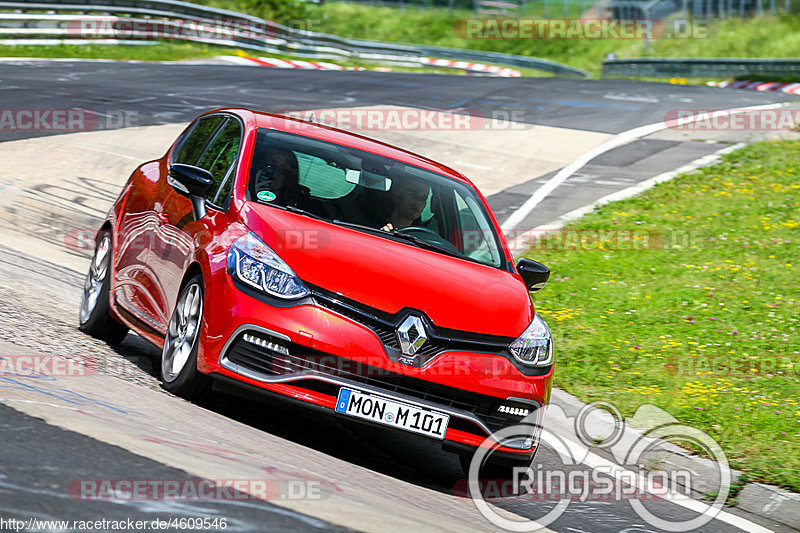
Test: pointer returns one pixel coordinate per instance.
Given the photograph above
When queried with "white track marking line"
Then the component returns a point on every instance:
(625, 137)
(94, 148)
(523, 241)
(594, 461)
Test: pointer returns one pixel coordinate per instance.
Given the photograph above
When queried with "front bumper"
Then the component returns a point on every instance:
(308, 351)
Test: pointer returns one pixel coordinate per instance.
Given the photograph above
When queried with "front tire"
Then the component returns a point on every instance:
(94, 317)
(179, 374)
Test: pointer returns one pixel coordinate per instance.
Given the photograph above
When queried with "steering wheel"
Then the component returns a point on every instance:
(429, 235)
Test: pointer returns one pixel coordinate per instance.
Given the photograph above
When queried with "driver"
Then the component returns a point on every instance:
(278, 174)
(409, 197)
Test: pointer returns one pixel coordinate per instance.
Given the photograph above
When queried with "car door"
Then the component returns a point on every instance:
(177, 234)
(134, 279)
(137, 288)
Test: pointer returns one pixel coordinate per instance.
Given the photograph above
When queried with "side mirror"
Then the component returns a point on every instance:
(193, 182)
(534, 274)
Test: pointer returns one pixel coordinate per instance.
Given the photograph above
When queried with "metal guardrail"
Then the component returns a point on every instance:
(700, 68)
(642, 9)
(697, 9)
(192, 22)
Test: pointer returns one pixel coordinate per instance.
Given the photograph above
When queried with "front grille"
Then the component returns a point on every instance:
(385, 325)
(273, 357)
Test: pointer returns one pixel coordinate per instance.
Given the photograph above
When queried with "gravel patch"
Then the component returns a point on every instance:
(134, 360)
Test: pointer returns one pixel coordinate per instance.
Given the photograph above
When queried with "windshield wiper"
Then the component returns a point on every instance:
(299, 211)
(425, 244)
(399, 234)
(361, 227)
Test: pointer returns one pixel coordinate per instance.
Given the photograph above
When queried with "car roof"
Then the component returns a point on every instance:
(261, 119)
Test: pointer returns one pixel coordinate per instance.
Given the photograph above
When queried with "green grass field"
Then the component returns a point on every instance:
(755, 37)
(686, 298)
(763, 36)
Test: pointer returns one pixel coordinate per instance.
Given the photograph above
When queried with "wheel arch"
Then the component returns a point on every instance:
(108, 227)
(193, 270)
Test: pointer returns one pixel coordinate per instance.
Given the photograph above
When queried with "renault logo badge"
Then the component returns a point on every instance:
(411, 335)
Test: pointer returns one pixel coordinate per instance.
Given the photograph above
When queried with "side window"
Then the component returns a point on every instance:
(220, 158)
(192, 146)
(476, 231)
(428, 216)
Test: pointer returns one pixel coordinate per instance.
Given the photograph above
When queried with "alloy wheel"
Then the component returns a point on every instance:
(182, 333)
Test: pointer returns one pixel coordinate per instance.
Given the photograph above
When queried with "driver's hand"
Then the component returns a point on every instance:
(387, 227)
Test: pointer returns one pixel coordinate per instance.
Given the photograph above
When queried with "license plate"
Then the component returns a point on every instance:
(392, 413)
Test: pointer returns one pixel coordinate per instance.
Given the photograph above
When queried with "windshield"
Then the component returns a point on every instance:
(371, 192)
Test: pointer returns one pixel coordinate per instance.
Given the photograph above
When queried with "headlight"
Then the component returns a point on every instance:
(256, 264)
(535, 346)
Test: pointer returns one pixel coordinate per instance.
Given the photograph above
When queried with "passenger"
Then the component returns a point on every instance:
(409, 198)
(277, 178)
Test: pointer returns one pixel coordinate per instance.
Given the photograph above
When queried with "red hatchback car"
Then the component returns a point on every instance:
(304, 261)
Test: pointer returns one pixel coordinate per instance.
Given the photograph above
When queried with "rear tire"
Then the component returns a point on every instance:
(94, 317)
(179, 374)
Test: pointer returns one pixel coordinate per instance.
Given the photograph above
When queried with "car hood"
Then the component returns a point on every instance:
(390, 275)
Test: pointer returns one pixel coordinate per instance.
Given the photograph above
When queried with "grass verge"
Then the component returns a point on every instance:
(160, 51)
(762, 36)
(686, 298)
(165, 51)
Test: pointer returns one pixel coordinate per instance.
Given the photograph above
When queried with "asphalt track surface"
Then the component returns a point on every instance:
(39, 459)
(162, 93)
